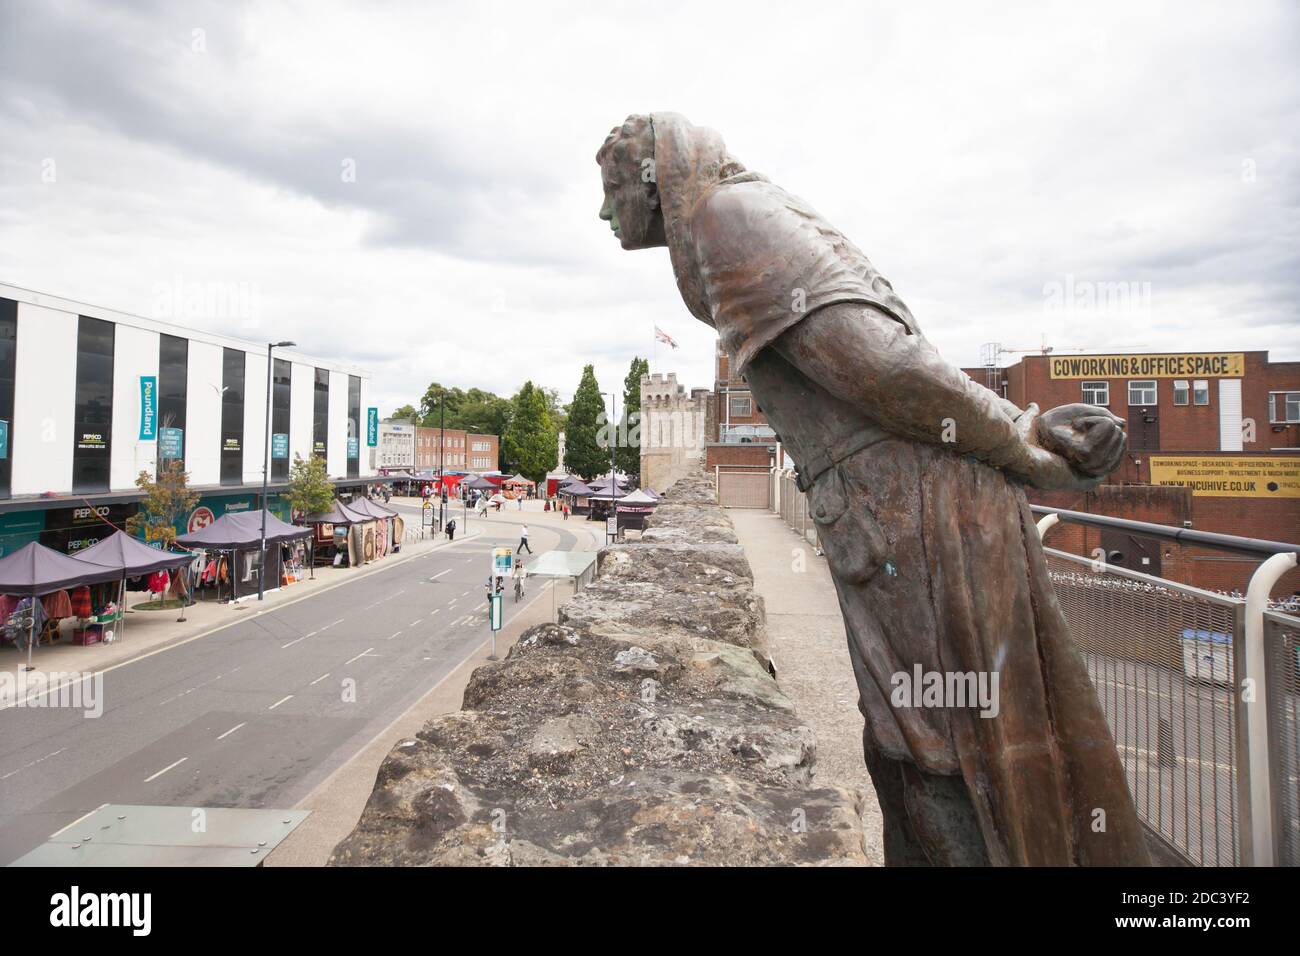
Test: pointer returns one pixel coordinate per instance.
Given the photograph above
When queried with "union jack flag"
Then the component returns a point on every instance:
(664, 337)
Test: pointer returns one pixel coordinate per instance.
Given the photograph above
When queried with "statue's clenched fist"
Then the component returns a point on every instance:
(1090, 438)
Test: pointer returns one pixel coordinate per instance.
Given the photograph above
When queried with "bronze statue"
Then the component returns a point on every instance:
(915, 478)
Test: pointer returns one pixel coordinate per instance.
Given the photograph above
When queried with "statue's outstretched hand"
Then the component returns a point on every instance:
(1072, 447)
(1090, 438)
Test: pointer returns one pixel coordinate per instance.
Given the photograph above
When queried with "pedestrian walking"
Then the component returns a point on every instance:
(566, 512)
(523, 541)
(451, 530)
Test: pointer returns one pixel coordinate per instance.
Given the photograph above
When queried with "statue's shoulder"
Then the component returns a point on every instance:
(751, 212)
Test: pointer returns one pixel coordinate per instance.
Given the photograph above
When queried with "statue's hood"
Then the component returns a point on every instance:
(690, 161)
(742, 247)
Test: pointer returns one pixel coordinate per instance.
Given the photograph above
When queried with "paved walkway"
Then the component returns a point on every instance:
(806, 637)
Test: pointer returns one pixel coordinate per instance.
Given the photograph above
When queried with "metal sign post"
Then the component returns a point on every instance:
(496, 622)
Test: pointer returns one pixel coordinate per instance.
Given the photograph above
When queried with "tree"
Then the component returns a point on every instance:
(165, 500)
(310, 490)
(628, 454)
(529, 442)
(406, 413)
(583, 454)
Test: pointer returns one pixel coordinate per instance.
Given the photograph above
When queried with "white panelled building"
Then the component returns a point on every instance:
(90, 397)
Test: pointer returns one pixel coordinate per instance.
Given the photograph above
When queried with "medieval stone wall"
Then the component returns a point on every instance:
(644, 729)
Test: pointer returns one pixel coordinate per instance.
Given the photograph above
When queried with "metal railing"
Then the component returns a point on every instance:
(737, 434)
(1282, 666)
(792, 505)
(1161, 656)
(1200, 692)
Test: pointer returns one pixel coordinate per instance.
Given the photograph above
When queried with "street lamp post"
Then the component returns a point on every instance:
(266, 465)
(442, 475)
(613, 470)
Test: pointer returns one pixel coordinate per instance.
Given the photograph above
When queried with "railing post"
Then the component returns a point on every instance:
(1256, 751)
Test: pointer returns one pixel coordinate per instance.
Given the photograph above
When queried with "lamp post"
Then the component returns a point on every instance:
(266, 465)
(613, 469)
(442, 450)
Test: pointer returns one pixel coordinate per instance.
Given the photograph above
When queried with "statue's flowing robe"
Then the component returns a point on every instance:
(935, 556)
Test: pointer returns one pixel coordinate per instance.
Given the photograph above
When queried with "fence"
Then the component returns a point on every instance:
(792, 505)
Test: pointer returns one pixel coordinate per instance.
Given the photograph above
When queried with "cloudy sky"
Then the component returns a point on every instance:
(412, 187)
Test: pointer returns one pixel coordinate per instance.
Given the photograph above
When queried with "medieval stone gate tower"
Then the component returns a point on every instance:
(672, 428)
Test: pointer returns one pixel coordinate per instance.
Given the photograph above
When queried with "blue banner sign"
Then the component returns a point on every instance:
(354, 448)
(148, 407)
(4, 439)
(372, 427)
(279, 445)
(170, 443)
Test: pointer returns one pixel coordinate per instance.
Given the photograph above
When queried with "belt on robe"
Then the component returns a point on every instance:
(820, 462)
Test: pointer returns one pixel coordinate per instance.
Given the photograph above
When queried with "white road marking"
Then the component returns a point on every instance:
(232, 730)
(33, 763)
(393, 635)
(78, 820)
(434, 611)
(297, 639)
(359, 656)
(321, 678)
(328, 626)
(279, 702)
(165, 769)
(439, 574)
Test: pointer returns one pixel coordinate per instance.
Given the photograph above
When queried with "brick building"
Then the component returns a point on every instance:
(737, 432)
(1214, 444)
(462, 451)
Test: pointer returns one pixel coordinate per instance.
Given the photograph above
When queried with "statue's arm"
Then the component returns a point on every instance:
(864, 357)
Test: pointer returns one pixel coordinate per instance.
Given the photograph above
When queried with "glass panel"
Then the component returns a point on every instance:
(233, 363)
(93, 423)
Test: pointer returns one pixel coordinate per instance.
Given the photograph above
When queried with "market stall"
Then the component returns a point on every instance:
(377, 539)
(35, 571)
(633, 509)
(331, 530)
(231, 551)
(167, 571)
(579, 496)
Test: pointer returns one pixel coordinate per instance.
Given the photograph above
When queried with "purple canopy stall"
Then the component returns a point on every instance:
(241, 531)
(34, 570)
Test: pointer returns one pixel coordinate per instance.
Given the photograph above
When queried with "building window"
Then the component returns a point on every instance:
(1201, 392)
(173, 384)
(321, 415)
(1096, 393)
(1284, 408)
(354, 426)
(1142, 392)
(742, 407)
(281, 393)
(233, 362)
(8, 366)
(1182, 391)
(93, 428)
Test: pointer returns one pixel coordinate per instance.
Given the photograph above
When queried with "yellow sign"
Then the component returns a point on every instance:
(1169, 365)
(1238, 476)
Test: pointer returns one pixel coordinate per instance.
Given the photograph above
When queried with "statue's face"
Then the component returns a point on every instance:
(631, 205)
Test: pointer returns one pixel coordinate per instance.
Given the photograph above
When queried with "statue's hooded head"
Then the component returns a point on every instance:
(655, 169)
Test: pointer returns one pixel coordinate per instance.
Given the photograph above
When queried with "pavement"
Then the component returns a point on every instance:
(806, 638)
(268, 706)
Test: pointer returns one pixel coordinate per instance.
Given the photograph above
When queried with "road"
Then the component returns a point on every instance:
(257, 714)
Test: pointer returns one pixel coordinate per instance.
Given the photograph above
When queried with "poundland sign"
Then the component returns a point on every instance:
(1171, 365)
